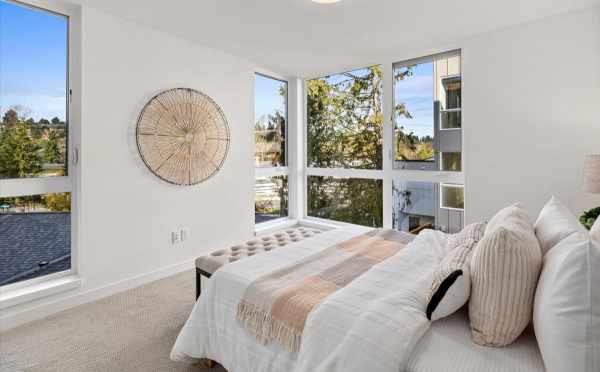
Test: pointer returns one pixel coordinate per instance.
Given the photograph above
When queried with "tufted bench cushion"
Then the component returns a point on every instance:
(210, 263)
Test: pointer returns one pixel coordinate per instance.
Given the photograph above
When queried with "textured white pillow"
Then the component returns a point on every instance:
(555, 223)
(504, 271)
(451, 285)
(566, 314)
(450, 295)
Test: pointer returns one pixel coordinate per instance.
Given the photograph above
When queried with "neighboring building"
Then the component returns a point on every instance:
(422, 204)
(447, 125)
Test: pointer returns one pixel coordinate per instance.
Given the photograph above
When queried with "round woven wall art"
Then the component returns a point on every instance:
(182, 136)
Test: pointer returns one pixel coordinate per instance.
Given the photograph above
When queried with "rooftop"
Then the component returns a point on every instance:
(33, 244)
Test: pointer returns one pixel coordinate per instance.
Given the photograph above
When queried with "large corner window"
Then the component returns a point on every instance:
(36, 178)
(270, 155)
(345, 147)
(352, 164)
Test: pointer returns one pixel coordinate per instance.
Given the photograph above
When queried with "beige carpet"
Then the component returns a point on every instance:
(130, 331)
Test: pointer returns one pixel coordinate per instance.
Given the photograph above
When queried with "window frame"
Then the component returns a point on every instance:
(449, 185)
(31, 289)
(281, 170)
(388, 174)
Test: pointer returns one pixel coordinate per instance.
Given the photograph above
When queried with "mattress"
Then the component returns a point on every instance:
(447, 347)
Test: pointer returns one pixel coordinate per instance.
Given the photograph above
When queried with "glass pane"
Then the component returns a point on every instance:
(414, 116)
(451, 119)
(452, 161)
(345, 120)
(352, 200)
(270, 121)
(416, 207)
(270, 198)
(453, 196)
(35, 236)
(33, 92)
(427, 98)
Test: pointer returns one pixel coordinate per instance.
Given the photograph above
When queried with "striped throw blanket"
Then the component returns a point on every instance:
(275, 307)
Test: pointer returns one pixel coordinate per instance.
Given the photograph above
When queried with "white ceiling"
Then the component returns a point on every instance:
(299, 37)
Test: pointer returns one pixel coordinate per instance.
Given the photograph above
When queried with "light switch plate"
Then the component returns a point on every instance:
(175, 237)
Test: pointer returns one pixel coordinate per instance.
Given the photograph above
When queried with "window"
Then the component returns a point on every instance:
(35, 236)
(270, 155)
(270, 198)
(417, 205)
(36, 177)
(345, 134)
(345, 120)
(452, 197)
(427, 113)
(352, 200)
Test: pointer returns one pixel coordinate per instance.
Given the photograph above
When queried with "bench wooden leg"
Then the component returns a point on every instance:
(209, 363)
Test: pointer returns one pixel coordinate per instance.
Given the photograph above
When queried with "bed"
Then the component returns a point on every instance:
(344, 332)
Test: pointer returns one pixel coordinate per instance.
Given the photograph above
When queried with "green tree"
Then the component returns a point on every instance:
(19, 154)
(52, 151)
(345, 130)
(58, 202)
(55, 121)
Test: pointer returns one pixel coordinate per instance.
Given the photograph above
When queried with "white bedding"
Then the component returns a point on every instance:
(345, 332)
(447, 347)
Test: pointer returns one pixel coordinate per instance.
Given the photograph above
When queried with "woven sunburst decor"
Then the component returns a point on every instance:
(182, 136)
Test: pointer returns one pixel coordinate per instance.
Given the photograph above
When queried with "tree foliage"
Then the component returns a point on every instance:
(345, 130)
(19, 154)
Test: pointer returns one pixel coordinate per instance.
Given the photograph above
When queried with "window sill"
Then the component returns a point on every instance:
(21, 295)
(270, 226)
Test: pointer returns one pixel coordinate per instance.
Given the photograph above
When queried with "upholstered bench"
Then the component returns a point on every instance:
(207, 265)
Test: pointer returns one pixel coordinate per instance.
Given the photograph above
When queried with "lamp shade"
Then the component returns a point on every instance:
(591, 174)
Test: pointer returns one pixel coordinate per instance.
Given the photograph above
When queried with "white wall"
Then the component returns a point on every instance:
(126, 212)
(532, 112)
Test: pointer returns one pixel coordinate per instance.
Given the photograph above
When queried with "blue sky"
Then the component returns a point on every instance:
(33, 61)
(267, 99)
(416, 92)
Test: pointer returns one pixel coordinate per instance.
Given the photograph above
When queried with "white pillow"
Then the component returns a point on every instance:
(451, 294)
(566, 314)
(505, 267)
(595, 231)
(451, 285)
(555, 223)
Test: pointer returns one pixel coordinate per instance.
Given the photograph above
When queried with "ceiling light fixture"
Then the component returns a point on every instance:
(326, 1)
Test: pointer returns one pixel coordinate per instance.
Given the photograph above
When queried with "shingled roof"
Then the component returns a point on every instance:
(33, 244)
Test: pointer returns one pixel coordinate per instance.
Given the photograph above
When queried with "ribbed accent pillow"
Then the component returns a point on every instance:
(451, 285)
(505, 267)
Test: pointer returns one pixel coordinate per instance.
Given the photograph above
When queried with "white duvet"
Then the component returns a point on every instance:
(373, 324)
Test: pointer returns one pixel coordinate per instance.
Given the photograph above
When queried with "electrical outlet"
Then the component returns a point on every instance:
(175, 237)
(184, 234)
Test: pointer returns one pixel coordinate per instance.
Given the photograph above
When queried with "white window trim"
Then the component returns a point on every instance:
(28, 290)
(450, 185)
(388, 174)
